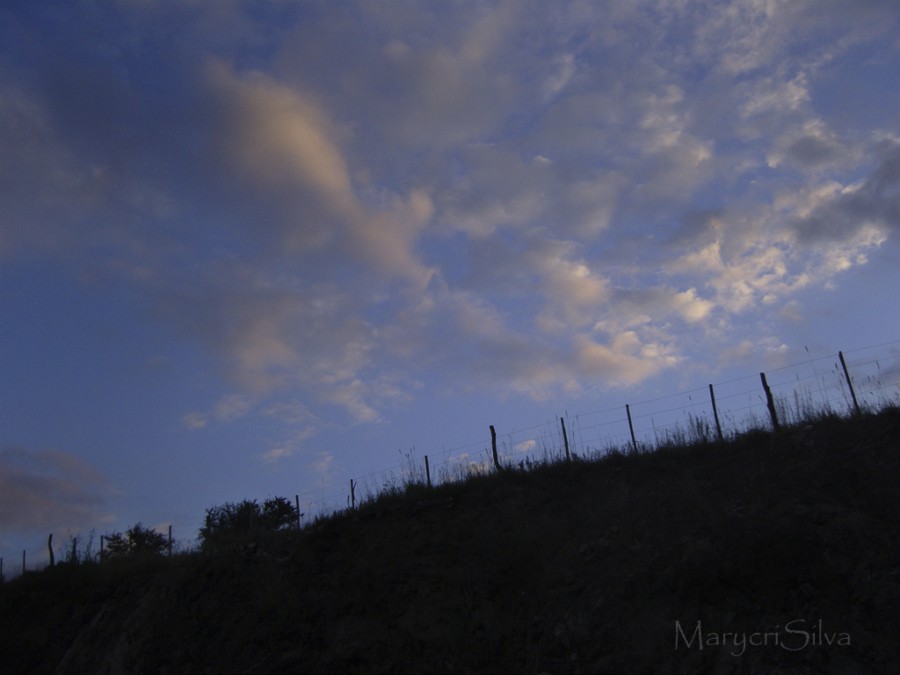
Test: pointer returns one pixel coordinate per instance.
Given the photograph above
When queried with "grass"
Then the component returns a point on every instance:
(548, 566)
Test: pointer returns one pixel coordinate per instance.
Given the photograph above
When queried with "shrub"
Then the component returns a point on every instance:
(245, 521)
(137, 541)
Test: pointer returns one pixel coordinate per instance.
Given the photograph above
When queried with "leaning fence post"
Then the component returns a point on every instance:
(849, 383)
(297, 502)
(631, 427)
(712, 397)
(427, 472)
(770, 401)
(494, 448)
(562, 423)
(50, 548)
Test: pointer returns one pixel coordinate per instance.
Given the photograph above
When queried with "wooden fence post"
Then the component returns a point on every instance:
(427, 472)
(297, 502)
(50, 548)
(562, 423)
(494, 449)
(712, 397)
(770, 402)
(352, 494)
(634, 444)
(849, 383)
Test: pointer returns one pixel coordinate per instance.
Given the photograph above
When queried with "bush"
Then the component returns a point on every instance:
(137, 541)
(245, 521)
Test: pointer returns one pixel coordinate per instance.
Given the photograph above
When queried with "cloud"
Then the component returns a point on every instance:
(758, 273)
(47, 489)
(557, 81)
(624, 361)
(635, 307)
(194, 420)
(527, 196)
(293, 412)
(870, 205)
(284, 144)
(269, 337)
(811, 146)
(232, 407)
(41, 183)
(322, 463)
(277, 453)
(301, 425)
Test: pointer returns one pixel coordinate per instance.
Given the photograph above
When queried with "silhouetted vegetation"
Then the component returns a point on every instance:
(137, 541)
(581, 566)
(245, 521)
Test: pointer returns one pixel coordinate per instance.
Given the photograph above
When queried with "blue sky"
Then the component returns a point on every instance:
(258, 249)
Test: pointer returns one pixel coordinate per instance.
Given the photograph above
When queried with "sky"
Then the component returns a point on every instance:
(256, 249)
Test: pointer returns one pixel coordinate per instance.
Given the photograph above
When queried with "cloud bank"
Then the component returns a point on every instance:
(363, 199)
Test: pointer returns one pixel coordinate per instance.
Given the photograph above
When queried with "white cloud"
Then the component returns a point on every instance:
(624, 361)
(571, 289)
(283, 142)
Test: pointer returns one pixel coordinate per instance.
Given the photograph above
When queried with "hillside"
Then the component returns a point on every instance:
(778, 544)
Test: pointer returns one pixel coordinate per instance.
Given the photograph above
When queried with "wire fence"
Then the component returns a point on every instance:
(800, 391)
(867, 379)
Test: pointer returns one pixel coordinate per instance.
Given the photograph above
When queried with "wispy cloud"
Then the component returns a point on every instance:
(46, 489)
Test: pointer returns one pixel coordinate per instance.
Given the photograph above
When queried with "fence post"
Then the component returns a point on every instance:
(494, 449)
(562, 423)
(770, 402)
(712, 397)
(352, 494)
(634, 444)
(849, 383)
(427, 472)
(297, 502)
(50, 548)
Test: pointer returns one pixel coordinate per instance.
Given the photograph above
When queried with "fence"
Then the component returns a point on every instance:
(845, 382)
(80, 549)
(860, 380)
